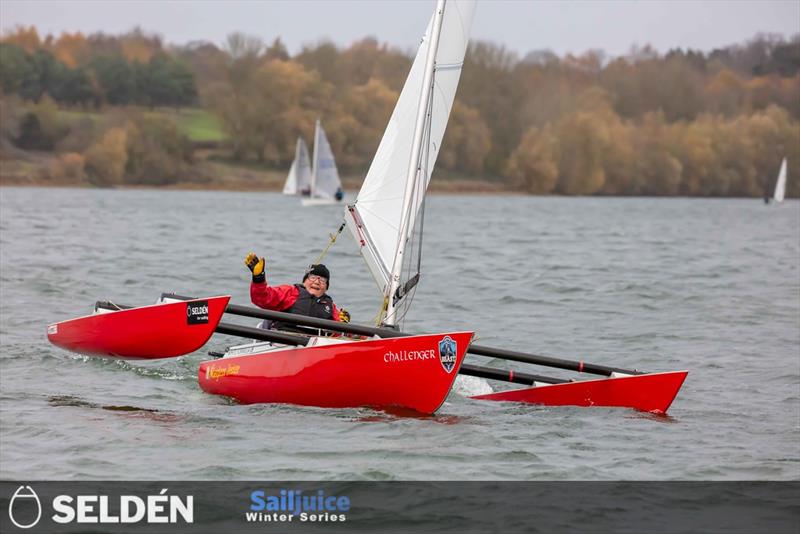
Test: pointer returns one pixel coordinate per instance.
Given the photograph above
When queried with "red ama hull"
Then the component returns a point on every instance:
(144, 333)
(653, 392)
(414, 372)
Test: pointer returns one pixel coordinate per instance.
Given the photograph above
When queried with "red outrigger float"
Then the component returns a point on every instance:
(652, 392)
(162, 330)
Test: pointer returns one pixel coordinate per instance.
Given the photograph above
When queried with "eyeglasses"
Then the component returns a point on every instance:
(315, 278)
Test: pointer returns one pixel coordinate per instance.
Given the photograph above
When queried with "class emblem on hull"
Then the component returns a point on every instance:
(447, 353)
(23, 498)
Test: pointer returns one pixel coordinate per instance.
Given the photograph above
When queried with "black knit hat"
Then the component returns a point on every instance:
(319, 270)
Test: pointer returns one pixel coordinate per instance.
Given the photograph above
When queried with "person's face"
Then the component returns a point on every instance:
(316, 285)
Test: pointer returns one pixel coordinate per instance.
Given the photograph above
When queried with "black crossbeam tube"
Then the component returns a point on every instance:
(363, 330)
(260, 334)
(466, 369)
(547, 361)
(313, 322)
(506, 376)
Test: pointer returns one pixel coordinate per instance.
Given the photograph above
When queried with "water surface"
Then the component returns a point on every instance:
(711, 286)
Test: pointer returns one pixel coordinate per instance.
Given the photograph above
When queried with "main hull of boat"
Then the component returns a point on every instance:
(414, 372)
(652, 392)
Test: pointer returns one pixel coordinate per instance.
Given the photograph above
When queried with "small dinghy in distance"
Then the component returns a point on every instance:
(163, 330)
(325, 187)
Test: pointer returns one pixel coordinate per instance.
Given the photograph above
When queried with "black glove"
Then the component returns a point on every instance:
(256, 266)
(344, 316)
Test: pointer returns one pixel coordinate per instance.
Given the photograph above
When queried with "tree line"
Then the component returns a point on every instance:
(94, 71)
(680, 123)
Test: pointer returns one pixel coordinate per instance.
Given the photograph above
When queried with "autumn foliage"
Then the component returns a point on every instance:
(681, 123)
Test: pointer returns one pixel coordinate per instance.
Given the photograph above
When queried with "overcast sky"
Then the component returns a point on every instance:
(520, 25)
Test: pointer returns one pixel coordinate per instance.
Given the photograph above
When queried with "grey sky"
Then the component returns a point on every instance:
(520, 25)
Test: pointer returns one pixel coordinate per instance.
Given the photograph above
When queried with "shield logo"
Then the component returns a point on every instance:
(447, 353)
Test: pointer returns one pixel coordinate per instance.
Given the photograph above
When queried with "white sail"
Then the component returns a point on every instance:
(325, 180)
(383, 215)
(780, 187)
(299, 178)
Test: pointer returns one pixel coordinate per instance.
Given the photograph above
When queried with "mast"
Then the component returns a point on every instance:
(414, 167)
(314, 162)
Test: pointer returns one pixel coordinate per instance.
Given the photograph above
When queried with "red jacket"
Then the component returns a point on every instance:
(278, 298)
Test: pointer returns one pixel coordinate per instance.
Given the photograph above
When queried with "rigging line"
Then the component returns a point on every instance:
(407, 305)
(330, 243)
(381, 312)
(421, 228)
(427, 180)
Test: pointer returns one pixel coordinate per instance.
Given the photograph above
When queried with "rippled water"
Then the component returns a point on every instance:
(711, 286)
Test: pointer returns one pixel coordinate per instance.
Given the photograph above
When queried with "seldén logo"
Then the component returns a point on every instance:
(102, 509)
(20, 506)
(197, 312)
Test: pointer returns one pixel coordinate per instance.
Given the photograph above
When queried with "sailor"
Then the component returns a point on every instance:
(307, 298)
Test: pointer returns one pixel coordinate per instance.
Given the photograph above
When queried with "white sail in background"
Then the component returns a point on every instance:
(299, 179)
(325, 182)
(394, 188)
(780, 186)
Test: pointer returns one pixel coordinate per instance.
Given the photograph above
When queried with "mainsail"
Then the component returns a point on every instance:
(299, 179)
(780, 186)
(383, 217)
(325, 182)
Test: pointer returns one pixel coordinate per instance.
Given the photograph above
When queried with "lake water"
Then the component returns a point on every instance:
(712, 286)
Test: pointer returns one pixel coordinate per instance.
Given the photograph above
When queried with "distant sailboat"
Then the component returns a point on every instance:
(780, 186)
(299, 180)
(326, 187)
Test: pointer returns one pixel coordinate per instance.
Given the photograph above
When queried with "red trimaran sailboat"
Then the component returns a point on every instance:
(376, 367)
